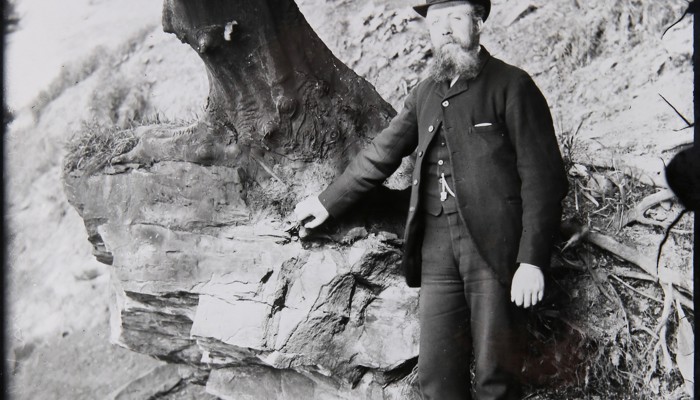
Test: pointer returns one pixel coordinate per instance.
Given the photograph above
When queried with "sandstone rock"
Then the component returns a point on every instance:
(156, 383)
(199, 280)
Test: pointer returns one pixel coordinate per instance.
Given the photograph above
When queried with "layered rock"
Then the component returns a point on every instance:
(201, 280)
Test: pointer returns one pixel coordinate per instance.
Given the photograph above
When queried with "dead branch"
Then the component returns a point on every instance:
(623, 310)
(678, 294)
(685, 349)
(630, 287)
(662, 275)
(636, 214)
(668, 308)
(688, 123)
(662, 327)
(623, 251)
(596, 277)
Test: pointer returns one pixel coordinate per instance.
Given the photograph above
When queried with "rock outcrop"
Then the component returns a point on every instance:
(200, 280)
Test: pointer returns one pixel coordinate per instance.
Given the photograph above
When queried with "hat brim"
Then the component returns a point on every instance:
(423, 8)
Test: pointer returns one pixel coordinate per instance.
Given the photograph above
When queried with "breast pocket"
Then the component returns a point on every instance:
(489, 143)
(493, 129)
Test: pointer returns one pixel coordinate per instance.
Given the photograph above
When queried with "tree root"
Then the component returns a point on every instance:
(662, 275)
(623, 311)
(636, 214)
(628, 286)
(662, 326)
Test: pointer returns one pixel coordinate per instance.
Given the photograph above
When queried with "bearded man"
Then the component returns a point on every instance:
(485, 205)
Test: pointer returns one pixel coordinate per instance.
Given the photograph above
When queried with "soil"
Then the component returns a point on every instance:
(607, 80)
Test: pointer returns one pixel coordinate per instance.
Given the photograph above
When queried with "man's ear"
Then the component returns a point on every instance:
(480, 24)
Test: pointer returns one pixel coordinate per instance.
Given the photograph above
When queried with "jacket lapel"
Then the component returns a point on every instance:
(440, 89)
(462, 85)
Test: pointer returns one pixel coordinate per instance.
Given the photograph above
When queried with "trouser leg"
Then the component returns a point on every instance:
(496, 327)
(464, 307)
(445, 345)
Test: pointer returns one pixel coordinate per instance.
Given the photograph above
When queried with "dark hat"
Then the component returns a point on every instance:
(423, 8)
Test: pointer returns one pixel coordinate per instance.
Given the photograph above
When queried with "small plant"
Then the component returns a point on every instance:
(568, 141)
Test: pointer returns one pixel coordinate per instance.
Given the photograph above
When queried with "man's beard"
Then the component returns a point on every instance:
(452, 60)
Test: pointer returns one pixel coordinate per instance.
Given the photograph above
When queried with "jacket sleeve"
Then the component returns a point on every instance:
(541, 169)
(376, 162)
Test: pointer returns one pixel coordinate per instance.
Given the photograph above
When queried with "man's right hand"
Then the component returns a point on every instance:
(311, 207)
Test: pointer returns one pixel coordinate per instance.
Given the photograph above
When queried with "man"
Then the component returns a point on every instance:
(485, 204)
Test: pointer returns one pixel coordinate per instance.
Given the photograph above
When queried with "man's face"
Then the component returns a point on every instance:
(453, 27)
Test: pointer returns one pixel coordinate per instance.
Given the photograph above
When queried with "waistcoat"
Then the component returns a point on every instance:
(436, 163)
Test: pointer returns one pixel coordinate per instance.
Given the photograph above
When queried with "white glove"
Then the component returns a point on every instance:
(311, 207)
(527, 288)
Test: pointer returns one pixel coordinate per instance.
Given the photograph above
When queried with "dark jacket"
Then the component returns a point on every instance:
(509, 176)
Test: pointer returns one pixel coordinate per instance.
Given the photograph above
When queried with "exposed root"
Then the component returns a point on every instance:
(623, 311)
(628, 286)
(596, 278)
(636, 214)
(662, 326)
(662, 275)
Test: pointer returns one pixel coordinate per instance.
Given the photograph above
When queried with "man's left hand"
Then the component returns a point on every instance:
(527, 288)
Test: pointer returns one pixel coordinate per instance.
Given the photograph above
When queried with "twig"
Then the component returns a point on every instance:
(661, 327)
(688, 123)
(625, 252)
(576, 237)
(666, 313)
(596, 281)
(269, 170)
(679, 295)
(624, 312)
(663, 275)
(628, 286)
(654, 360)
(647, 331)
(588, 196)
(667, 234)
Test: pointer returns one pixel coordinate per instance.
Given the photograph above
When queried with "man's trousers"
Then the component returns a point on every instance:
(463, 308)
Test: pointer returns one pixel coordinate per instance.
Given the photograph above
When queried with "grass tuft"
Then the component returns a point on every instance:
(94, 146)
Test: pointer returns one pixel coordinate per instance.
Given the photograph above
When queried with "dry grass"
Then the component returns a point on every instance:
(95, 146)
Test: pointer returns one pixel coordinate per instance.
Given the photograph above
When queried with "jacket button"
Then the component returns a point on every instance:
(415, 182)
(420, 154)
(431, 128)
(442, 144)
(445, 103)
(440, 162)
